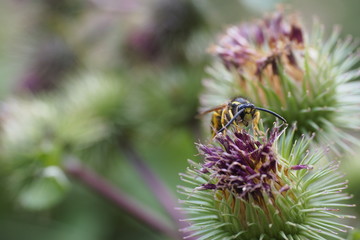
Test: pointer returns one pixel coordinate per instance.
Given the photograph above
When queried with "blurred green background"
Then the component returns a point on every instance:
(94, 77)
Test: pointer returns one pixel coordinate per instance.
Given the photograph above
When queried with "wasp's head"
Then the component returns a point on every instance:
(246, 113)
(243, 110)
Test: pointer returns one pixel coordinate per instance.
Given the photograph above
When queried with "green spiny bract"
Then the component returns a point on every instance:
(263, 188)
(306, 78)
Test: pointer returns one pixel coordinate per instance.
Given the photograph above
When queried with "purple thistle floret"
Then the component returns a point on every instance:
(242, 165)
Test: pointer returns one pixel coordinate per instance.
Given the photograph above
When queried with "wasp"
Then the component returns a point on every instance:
(239, 112)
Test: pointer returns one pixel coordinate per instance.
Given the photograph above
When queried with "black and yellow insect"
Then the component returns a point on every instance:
(239, 112)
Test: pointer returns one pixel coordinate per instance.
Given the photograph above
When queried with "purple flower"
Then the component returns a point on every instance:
(244, 165)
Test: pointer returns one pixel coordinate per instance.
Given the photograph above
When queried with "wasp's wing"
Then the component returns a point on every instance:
(211, 110)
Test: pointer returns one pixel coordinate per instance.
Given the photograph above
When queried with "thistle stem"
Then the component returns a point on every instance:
(161, 192)
(105, 189)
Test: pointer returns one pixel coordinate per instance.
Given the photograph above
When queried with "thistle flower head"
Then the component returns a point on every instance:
(29, 156)
(304, 77)
(262, 188)
(256, 46)
(247, 169)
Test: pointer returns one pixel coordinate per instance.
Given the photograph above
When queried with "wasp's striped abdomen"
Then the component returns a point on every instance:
(216, 122)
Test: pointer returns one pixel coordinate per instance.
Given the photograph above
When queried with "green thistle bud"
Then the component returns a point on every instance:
(263, 188)
(37, 134)
(306, 78)
(29, 155)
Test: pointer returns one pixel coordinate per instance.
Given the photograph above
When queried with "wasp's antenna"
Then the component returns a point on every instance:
(271, 112)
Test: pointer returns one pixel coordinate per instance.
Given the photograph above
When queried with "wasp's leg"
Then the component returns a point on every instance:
(223, 119)
(229, 117)
(238, 125)
(256, 124)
